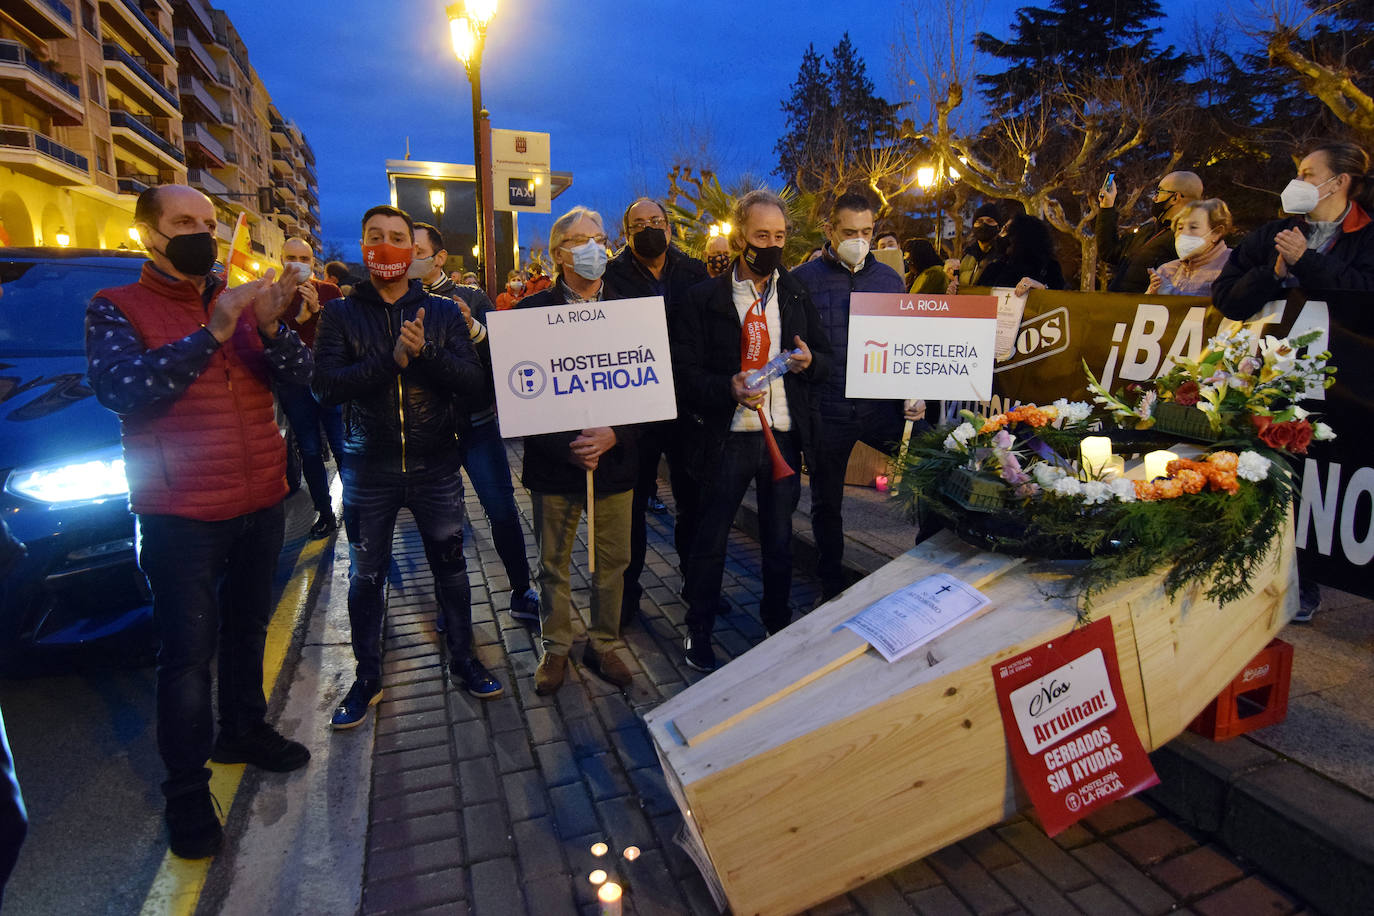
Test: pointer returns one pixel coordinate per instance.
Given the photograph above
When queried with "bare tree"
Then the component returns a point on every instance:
(1315, 43)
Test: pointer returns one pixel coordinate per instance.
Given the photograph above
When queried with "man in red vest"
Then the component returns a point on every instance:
(188, 367)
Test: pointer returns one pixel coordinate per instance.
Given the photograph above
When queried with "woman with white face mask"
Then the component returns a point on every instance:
(1325, 244)
(1200, 231)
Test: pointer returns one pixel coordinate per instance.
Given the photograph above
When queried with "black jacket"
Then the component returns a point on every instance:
(548, 458)
(402, 418)
(1008, 272)
(1247, 281)
(1132, 255)
(484, 404)
(631, 280)
(705, 335)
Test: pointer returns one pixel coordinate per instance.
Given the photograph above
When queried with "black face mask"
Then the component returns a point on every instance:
(1159, 207)
(192, 254)
(762, 261)
(650, 242)
(718, 262)
(985, 233)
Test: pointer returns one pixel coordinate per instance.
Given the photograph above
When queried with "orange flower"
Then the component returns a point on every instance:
(1168, 488)
(1227, 461)
(1191, 480)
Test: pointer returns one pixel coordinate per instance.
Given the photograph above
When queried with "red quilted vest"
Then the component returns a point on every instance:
(215, 452)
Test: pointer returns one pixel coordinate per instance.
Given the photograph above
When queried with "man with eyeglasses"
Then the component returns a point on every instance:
(1133, 254)
(651, 265)
(555, 473)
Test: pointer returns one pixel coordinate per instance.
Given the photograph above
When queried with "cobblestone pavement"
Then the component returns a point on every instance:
(492, 807)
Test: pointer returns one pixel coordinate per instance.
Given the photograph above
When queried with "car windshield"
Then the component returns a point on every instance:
(43, 303)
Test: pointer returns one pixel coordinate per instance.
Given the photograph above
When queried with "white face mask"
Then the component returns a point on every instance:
(302, 270)
(420, 268)
(1189, 245)
(1301, 197)
(852, 252)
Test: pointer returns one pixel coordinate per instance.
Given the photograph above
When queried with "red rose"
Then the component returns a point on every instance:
(1277, 435)
(1302, 437)
(1261, 423)
(1186, 395)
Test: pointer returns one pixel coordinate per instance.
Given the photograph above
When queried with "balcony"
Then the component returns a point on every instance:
(135, 73)
(46, 19)
(136, 184)
(42, 157)
(196, 99)
(198, 14)
(191, 45)
(141, 129)
(197, 136)
(144, 28)
(201, 178)
(41, 82)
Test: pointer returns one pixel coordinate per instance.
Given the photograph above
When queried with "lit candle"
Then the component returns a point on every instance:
(631, 853)
(1157, 464)
(597, 877)
(599, 849)
(1095, 452)
(609, 897)
(881, 483)
(1116, 467)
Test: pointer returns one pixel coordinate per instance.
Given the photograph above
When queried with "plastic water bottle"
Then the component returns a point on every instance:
(774, 368)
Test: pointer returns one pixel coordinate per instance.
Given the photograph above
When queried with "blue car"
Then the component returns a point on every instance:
(78, 597)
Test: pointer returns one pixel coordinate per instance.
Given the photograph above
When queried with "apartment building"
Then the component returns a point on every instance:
(99, 99)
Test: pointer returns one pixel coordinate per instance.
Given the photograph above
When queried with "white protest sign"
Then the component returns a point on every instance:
(581, 365)
(921, 346)
(912, 616)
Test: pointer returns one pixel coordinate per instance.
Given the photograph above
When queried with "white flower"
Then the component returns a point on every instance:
(1072, 411)
(1122, 488)
(1067, 486)
(1046, 474)
(1095, 492)
(1299, 413)
(1322, 433)
(964, 432)
(952, 444)
(1252, 466)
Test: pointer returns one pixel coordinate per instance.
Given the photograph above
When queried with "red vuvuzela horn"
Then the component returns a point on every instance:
(781, 468)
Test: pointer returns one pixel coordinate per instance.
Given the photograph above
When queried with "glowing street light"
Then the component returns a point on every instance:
(62, 238)
(436, 201)
(925, 177)
(468, 21)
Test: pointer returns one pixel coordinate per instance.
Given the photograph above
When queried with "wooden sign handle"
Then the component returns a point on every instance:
(591, 525)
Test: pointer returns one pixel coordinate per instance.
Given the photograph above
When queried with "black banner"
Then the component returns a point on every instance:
(1125, 338)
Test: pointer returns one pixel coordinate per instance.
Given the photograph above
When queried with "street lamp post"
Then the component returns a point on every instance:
(468, 22)
(436, 206)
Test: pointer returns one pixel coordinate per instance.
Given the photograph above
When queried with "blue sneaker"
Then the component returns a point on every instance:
(476, 679)
(353, 708)
(525, 606)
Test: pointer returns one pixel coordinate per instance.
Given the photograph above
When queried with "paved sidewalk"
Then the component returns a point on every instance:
(492, 807)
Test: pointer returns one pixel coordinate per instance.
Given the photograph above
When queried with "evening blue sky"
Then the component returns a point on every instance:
(617, 85)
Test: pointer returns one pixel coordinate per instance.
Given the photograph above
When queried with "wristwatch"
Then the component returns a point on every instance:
(427, 351)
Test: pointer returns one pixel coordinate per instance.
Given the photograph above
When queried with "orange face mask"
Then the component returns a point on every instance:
(387, 261)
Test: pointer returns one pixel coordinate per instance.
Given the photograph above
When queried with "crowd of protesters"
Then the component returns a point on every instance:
(392, 372)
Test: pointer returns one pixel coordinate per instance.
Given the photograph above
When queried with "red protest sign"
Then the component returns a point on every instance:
(1068, 728)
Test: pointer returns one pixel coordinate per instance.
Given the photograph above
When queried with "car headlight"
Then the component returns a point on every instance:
(83, 478)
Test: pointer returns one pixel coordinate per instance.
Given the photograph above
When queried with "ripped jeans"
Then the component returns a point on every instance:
(372, 498)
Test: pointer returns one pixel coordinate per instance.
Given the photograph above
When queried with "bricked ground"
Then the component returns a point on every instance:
(492, 807)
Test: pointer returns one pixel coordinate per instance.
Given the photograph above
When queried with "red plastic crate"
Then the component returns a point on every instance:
(1256, 698)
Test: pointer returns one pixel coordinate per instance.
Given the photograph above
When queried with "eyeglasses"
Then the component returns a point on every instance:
(577, 241)
(1170, 191)
(657, 222)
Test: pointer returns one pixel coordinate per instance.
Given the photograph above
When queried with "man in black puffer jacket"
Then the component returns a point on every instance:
(401, 363)
(650, 265)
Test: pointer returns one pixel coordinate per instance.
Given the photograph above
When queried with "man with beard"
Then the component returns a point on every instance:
(651, 265)
(726, 328)
(403, 362)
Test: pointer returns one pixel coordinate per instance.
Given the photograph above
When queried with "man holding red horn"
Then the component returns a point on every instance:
(725, 331)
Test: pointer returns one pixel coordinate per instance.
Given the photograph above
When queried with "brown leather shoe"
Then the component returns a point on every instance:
(608, 666)
(548, 677)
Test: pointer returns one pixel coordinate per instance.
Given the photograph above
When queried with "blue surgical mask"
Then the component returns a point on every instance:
(589, 260)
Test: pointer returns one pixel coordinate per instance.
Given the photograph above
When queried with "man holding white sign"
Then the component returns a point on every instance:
(725, 328)
(845, 266)
(556, 466)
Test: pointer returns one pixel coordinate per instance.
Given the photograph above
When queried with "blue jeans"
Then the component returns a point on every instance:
(484, 458)
(372, 497)
(306, 415)
(743, 459)
(211, 582)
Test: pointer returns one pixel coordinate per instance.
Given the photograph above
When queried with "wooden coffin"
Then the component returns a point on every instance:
(810, 766)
